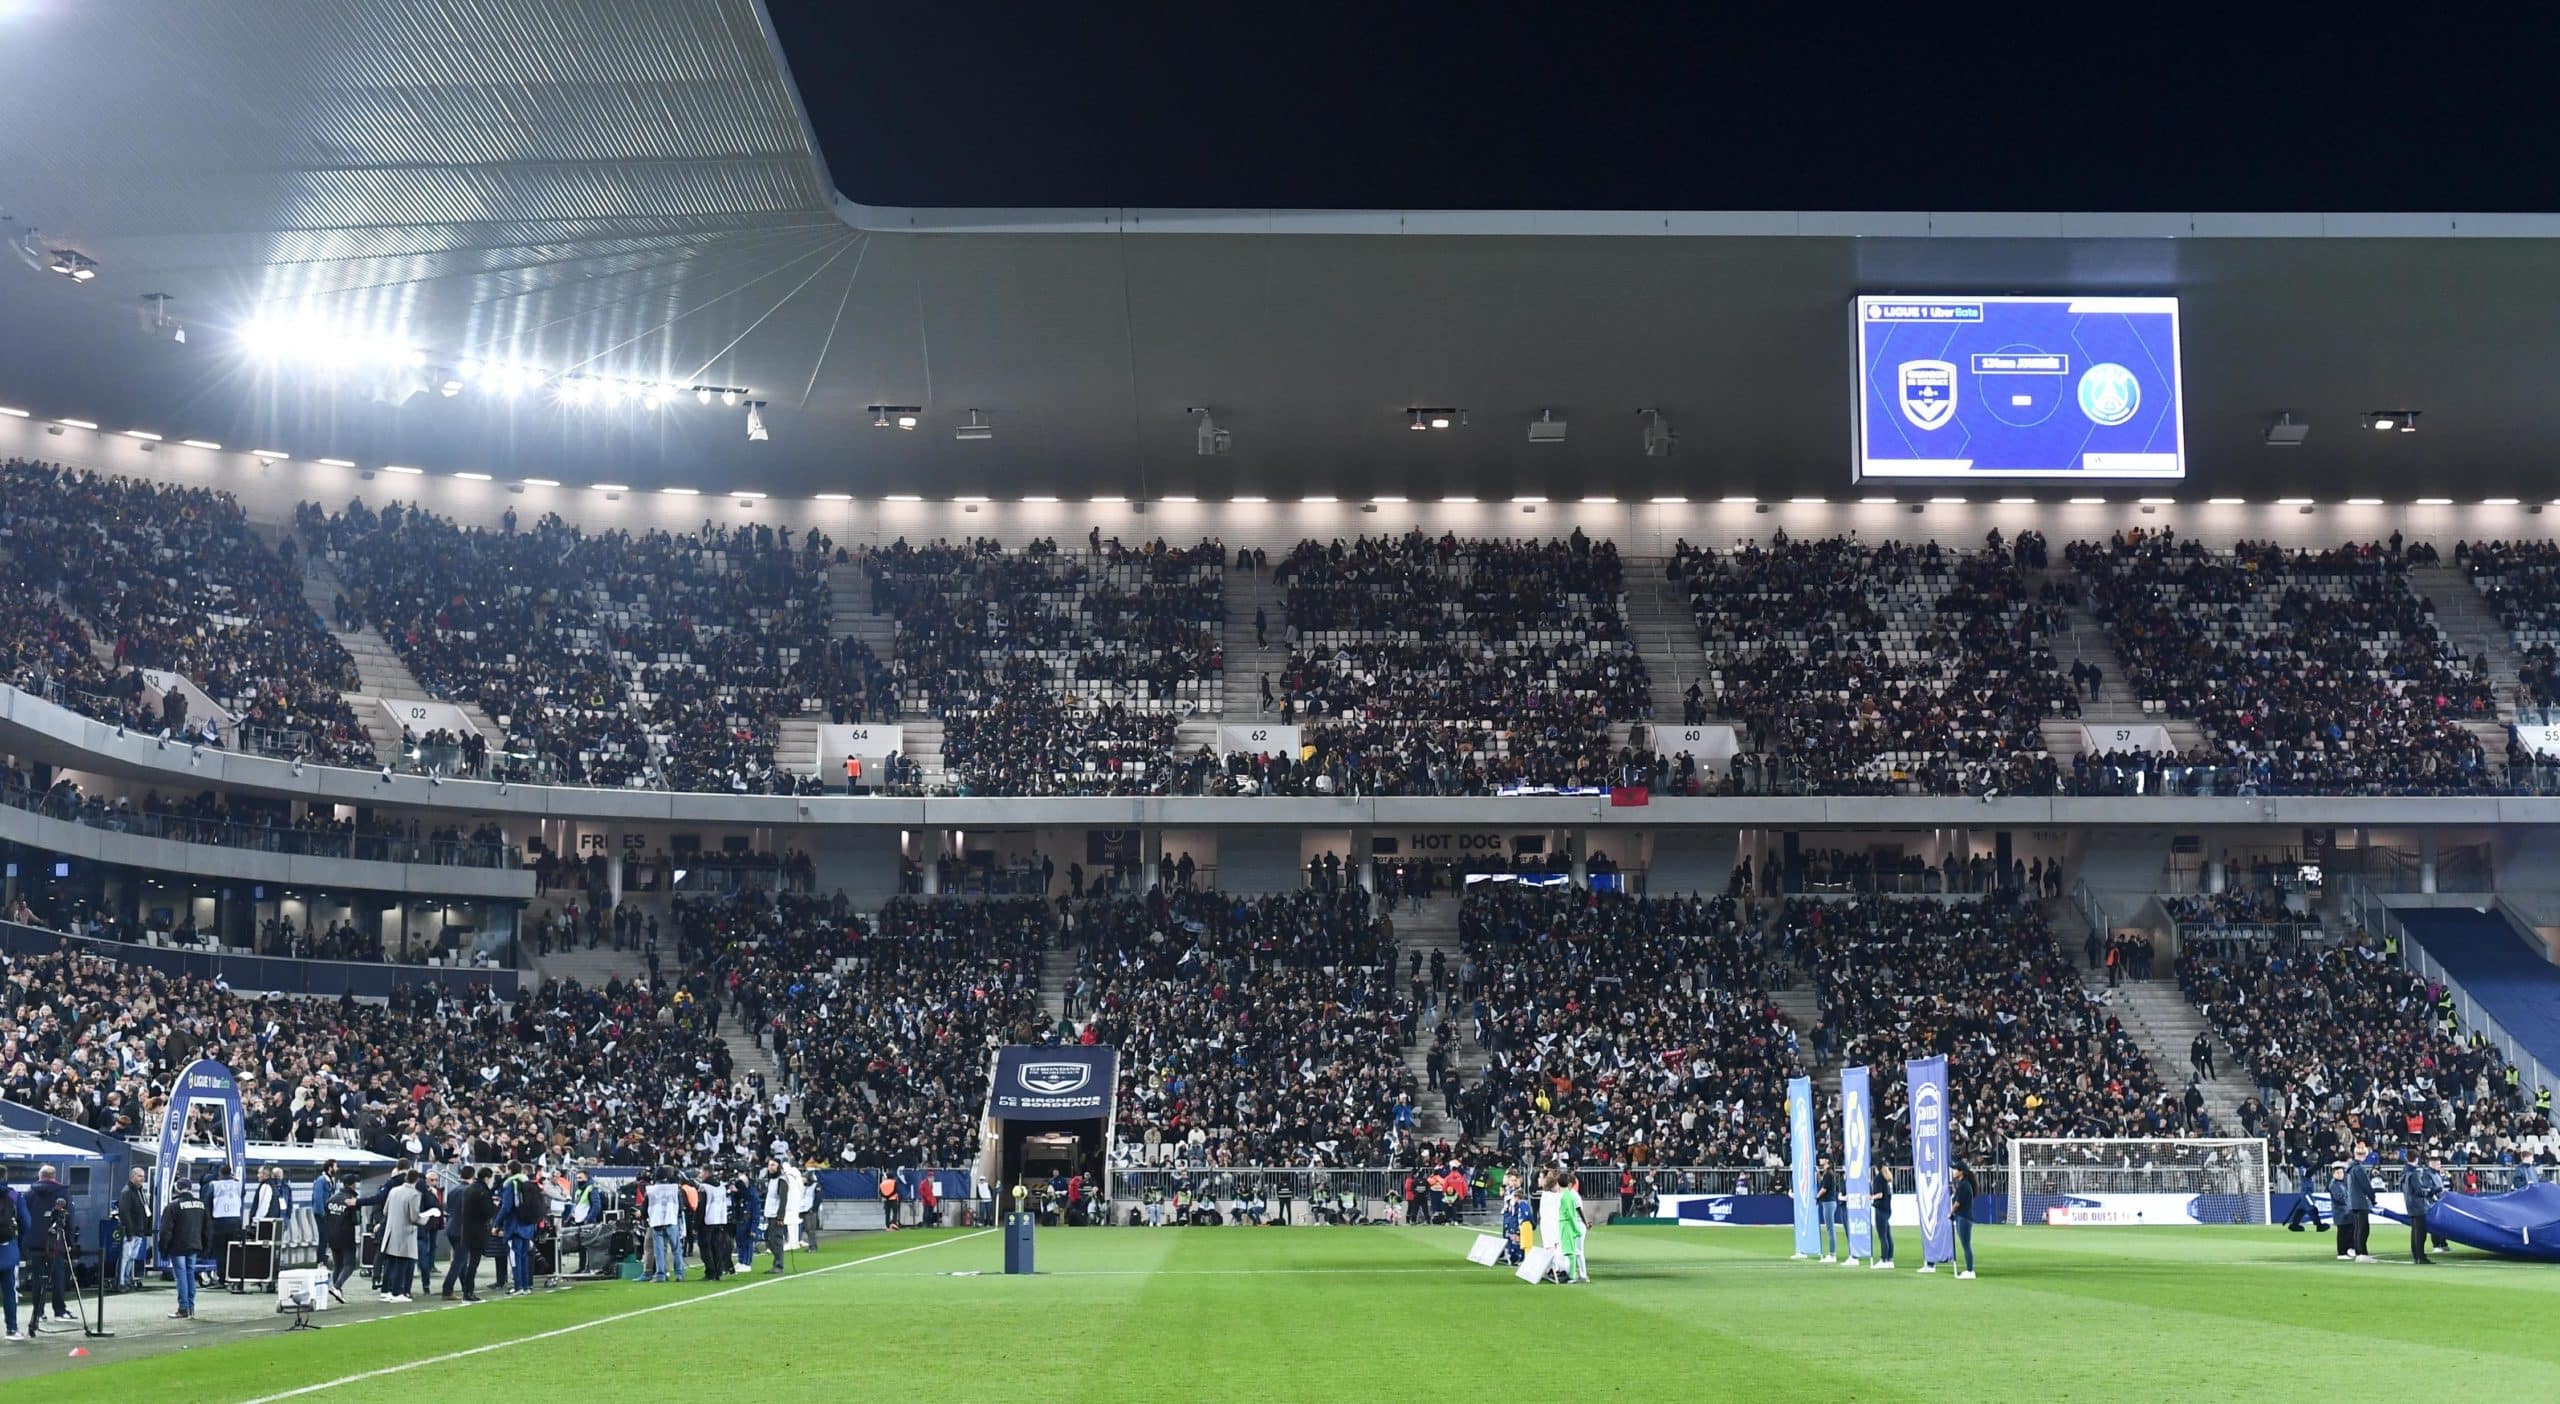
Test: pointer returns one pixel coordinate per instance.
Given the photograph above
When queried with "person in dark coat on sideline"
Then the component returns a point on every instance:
(474, 1207)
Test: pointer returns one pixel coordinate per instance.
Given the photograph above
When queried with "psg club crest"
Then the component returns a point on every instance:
(1928, 393)
(2109, 394)
(1053, 1079)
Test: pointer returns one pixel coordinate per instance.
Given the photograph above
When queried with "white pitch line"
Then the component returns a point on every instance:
(484, 1349)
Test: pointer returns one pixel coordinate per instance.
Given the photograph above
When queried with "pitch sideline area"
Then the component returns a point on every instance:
(1334, 1313)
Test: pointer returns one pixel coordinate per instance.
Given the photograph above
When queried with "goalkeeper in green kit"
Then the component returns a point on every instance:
(1571, 1228)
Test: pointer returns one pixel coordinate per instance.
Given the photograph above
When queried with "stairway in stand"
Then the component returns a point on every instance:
(2161, 1020)
(795, 747)
(1057, 972)
(1248, 662)
(1802, 1012)
(2083, 639)
(1665, 631)
(746, 1059)
(1434, 929)
(2474, 629)
(379, 671)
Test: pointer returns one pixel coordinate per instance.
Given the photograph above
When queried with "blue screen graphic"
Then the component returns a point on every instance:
(2019, 387)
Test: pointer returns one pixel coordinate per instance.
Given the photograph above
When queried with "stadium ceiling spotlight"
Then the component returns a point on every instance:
(29, 252)
(895, 416)
(1211, 439)
(2386, 421)
(1546, 428)
(2284, 433)
(756, 432)
(1658, 437)
(1425, 418)
(72, 264)
(976, 429)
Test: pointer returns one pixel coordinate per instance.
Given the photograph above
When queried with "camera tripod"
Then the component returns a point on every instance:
(92, 1316)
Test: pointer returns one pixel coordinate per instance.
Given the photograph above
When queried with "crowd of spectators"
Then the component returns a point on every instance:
(172, 579)
(618, 1073)
(1870, 668)
(1618, 1030)
(2308, 672)
(2342, 1042)
(1424, 665)
(881, 1024)
(658, 660)
(1055, 672)
(2029, 1051)
(1252, 1031)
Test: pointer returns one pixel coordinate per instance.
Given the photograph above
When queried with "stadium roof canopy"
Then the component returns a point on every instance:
(629, 188)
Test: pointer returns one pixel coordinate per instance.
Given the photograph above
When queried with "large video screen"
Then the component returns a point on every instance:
(2019, 387)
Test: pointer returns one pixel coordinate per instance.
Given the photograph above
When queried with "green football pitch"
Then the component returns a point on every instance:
(1377, 1313)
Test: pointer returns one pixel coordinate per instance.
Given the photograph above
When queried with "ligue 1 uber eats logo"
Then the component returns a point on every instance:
(1053, 1079)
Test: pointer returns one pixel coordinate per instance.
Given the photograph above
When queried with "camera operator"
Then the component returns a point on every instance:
(50, 1240)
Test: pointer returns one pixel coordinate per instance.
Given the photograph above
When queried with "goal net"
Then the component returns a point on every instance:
(2181, 1180)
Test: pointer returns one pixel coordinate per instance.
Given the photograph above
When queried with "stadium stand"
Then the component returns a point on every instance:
(609, 659)
(1860, 668)
(2343, 1042)
(1252, 1031)
(881, 1025)
(1052, 672)
(1424, 665)
(1620, 1030)
(175, 579)
(615, 1074)
(2309, 673)
(2029, 1052)
(2511, 981)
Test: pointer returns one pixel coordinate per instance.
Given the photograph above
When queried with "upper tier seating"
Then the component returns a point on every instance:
(1859, 668)
(1424, 665)
(2309, 673)
(1055, 673)
(610, 659)
(175, 578)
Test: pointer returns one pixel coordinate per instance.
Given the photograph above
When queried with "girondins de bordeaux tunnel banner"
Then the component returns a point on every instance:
(1053, 1084)
(204, 1080)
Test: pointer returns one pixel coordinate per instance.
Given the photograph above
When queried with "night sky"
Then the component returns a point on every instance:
(2051, 107)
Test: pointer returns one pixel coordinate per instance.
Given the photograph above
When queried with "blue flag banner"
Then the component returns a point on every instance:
(1929, 1182)
(1800, 1164)
(1857, 1124)
(204, 1080)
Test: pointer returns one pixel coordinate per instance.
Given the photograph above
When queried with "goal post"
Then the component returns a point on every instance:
(2131, 1180)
